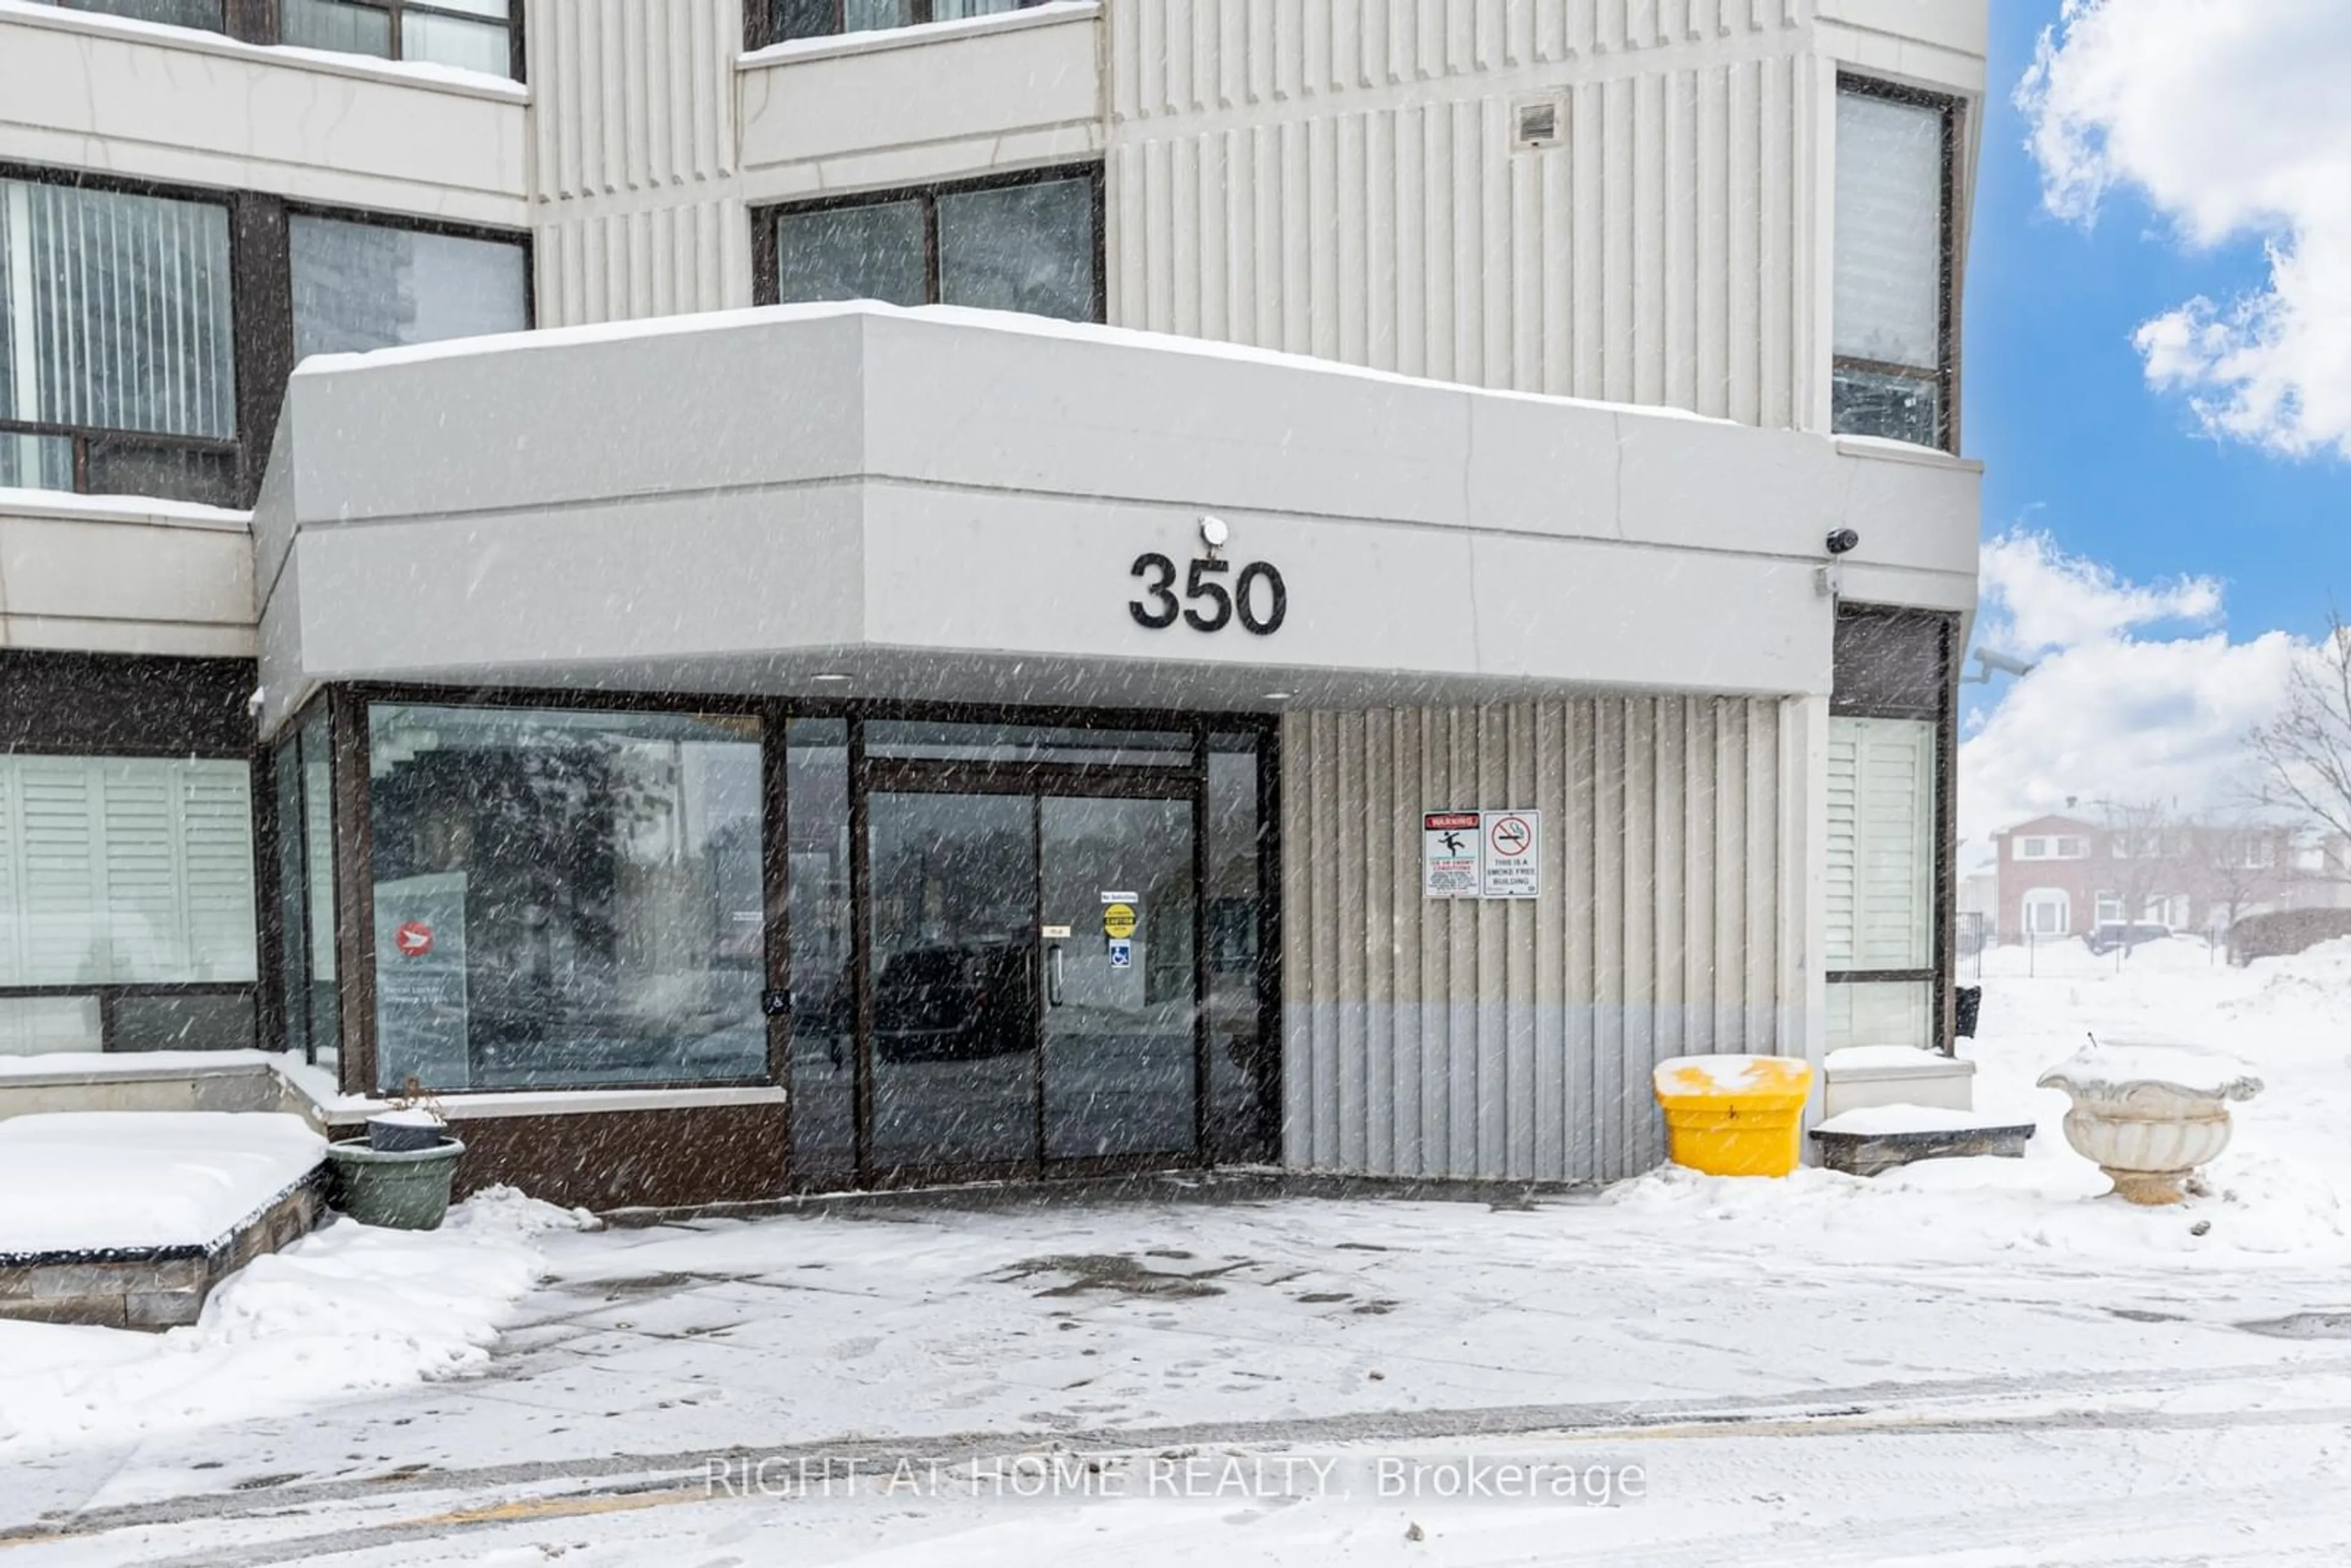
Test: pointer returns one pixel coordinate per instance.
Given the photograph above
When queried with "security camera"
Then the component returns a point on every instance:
(1842, 540)
(2005, 664)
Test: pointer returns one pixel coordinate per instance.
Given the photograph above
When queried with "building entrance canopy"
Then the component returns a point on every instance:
(943, 504)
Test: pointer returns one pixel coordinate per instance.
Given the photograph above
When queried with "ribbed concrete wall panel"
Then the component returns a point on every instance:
(1513, 1039)
(633, 146)
(1338, 177)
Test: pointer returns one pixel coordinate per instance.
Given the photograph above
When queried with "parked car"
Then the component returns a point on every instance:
(2109, 935)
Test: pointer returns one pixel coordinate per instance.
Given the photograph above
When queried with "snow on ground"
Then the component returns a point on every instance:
(87, 1180)
(349, 1309)
(1967, 1362)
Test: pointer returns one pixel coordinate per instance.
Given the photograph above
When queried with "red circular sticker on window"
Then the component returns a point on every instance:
(415, 939)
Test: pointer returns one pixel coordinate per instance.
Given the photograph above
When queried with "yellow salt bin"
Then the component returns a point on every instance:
(1734, 1115)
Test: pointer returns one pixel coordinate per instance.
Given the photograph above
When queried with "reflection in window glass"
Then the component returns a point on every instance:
(203, 15)
(125, 871)
(367, 286)
(824, 987)
(333, 25)
(566, 898)
(452, 41)
(1020, 247)
(306, 892)
(1244, 1064)
(870, 252)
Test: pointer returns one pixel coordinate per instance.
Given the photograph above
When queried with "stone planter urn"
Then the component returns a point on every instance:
(2148, 1115)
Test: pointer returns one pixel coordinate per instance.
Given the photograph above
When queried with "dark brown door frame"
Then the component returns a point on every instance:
(1039, 781)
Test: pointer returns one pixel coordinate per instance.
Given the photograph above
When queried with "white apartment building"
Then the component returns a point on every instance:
(870, 592)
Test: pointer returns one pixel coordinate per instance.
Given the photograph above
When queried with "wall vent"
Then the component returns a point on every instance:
(1536, 123)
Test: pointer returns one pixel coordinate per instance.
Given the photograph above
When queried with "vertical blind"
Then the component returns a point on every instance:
(1889, 230)
(114, 311)
(125, 871)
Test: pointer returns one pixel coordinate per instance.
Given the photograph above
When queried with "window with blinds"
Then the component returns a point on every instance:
(117, 362)
(1880, 879)
(125, 871)
(1891, 340)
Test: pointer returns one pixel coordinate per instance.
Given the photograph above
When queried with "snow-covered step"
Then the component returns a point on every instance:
(1865, 1075)
(129, 1218)
(1877, 1138)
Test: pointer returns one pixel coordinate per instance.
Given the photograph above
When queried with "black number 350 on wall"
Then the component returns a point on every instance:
(1258, 584)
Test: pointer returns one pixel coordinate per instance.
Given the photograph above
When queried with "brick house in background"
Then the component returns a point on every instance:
(2061, 876)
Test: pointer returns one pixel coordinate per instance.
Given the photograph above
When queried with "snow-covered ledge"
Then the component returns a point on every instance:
(2148, 1115)
(124, 574)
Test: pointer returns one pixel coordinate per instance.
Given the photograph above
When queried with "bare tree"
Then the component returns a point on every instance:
(2305, 750)
(2145, 852)
(2238, 864)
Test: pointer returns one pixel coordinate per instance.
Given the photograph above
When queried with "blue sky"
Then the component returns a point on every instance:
(2057, 406)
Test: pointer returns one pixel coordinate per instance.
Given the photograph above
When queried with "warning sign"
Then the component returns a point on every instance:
(1513, 867)
(1118, 921)
(1452, 848)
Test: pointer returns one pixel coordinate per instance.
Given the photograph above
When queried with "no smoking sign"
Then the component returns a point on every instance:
(1513, 857)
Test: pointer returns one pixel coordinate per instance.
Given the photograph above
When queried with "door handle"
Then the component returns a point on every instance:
(1053, 975)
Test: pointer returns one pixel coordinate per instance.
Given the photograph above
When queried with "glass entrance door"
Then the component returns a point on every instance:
(1031, 977)
(1121, 1058)
(952, 981)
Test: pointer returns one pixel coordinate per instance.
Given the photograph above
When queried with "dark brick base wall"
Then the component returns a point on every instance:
(620, 1159)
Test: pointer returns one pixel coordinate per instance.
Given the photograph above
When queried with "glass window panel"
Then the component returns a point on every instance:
(1900, 408)
(121, 466)
(332, 25)
(496, 10)
(318, 865)
(1244, 1066)
(564, 898)
(870, 252)
(1889, 230)
(939, 740)
(367, 286)
(202, 14)
(1882, 1013)
(953, 947)
(789, 19)
(202, 1021)
(293, 896)
(125, 871)
(824, 987)
(34, 462)
(1020, 247)
(37, 1026)
(956, 10)
(873, 15)
(129, 305)
(453, 41)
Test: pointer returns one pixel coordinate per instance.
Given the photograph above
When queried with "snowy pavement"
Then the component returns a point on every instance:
(1970, 1361)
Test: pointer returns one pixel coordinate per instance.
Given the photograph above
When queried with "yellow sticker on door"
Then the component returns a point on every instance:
(1118, 921)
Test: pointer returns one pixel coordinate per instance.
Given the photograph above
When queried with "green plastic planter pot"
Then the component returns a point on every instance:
(406, 1189)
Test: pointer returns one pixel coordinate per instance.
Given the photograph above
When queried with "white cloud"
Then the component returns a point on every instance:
(2232, 118)
(2037, 599)
(2111, 712)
